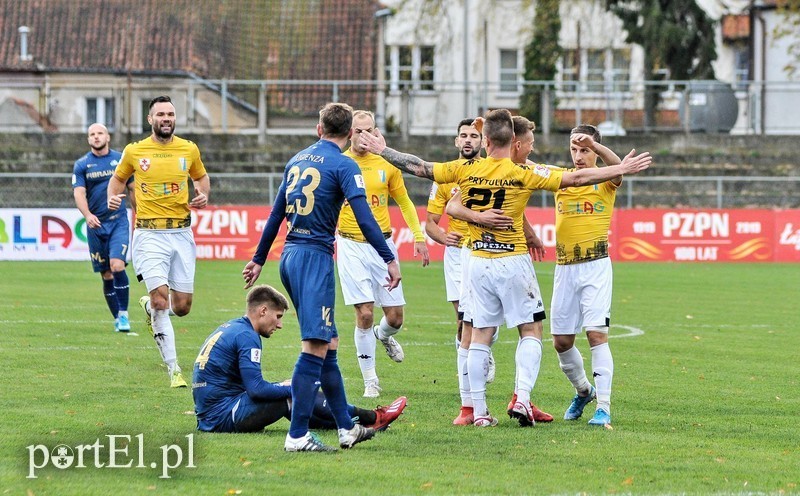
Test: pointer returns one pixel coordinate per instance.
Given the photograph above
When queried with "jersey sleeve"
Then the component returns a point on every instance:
(446, 172)
(351, 180)
(249, 351)
(79, 175)
(197, 169)
(542, 177)
(125, 166)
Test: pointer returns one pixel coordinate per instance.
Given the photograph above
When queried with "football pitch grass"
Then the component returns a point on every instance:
(705, 393)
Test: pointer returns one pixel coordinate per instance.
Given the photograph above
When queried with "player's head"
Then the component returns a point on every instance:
(469, 140)
(583, 157)
(522, 145)
(98, 137)
(498, 128)
(265, 309)
(335, 121)
(363, 122)
(161, 117)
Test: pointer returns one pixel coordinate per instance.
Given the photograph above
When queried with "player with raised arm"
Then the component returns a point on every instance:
(315, 184)
(361, 271)
(501, 277)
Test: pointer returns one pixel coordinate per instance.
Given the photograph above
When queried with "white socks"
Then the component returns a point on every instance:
(571, 363)
(476, 365)
(463, 376)
(385, 331)
(365, 351)
(164, 336)
(528, 360)
(603, 372)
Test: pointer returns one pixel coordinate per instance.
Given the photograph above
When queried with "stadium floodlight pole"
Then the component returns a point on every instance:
(380, 97)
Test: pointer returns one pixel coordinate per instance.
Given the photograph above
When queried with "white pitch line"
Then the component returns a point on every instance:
(630, 333)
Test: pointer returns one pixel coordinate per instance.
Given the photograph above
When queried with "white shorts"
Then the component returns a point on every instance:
(581, 297)
(464, 298)
(504, 289)
(452, 272)
(164, 257)
(362, 274)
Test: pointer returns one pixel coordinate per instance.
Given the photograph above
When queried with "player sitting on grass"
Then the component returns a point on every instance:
(230, 394)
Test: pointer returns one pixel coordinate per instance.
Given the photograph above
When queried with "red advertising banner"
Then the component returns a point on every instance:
(679, 235)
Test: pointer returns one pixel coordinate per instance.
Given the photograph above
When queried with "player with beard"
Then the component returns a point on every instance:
(107, 232)
(163, 248)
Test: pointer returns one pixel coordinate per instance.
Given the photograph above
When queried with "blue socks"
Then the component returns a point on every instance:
(121, 287)
(333, 387)
(111, 297)
(305, 384)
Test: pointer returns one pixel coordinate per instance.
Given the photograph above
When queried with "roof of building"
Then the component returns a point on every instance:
(242, 39)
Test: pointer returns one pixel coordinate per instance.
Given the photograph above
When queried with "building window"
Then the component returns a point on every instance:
(100, 110)
(510, 71)
(597, 69)
(741, 67)
(410, 67)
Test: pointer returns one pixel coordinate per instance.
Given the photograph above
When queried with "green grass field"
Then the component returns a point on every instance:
(705, 397)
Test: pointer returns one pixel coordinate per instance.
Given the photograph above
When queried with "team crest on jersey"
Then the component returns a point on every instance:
(434, 189)
(182, 161)
(382, 175)
(144, 164)
(454, 191)
(255, 355)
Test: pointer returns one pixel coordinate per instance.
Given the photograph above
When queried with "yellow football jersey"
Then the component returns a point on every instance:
(161, 176)
(502, 184)
(583, 217)
(437, 202)
(382, 180)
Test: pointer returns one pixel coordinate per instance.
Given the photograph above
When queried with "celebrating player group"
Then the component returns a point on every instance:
(489, 272)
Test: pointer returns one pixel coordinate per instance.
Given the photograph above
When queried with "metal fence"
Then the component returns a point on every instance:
(263, 107)
(47, 190)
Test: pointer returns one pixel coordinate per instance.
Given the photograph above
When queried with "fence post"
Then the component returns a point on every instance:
(262, 114)
(719, 192)
(224, 96)
(545, 117)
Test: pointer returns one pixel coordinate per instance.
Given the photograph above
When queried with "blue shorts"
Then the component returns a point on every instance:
(246, 415)
(307, 275)
(110, 240)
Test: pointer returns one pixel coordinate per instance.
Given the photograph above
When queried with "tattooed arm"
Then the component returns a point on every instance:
(404, 161)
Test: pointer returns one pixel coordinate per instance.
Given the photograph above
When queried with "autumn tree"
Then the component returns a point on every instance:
(541, 56)
(675, 34)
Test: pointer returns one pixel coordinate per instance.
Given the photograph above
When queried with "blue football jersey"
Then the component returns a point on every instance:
(316, 182)
(93, 173)
(229, 360)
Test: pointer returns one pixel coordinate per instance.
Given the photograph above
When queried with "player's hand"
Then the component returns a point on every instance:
(114, 201)
(250, 274)
(452, 239)
(199, 201)
(92, 221)
(478, 124)
(421, 248)
(633, 164)
(394, 275)
(373, 143)
(535, 247)
(582, 140)
(494, 218)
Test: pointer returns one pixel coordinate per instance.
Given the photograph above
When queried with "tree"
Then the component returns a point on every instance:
(788, 28)
(675, 35)
(541, 56)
